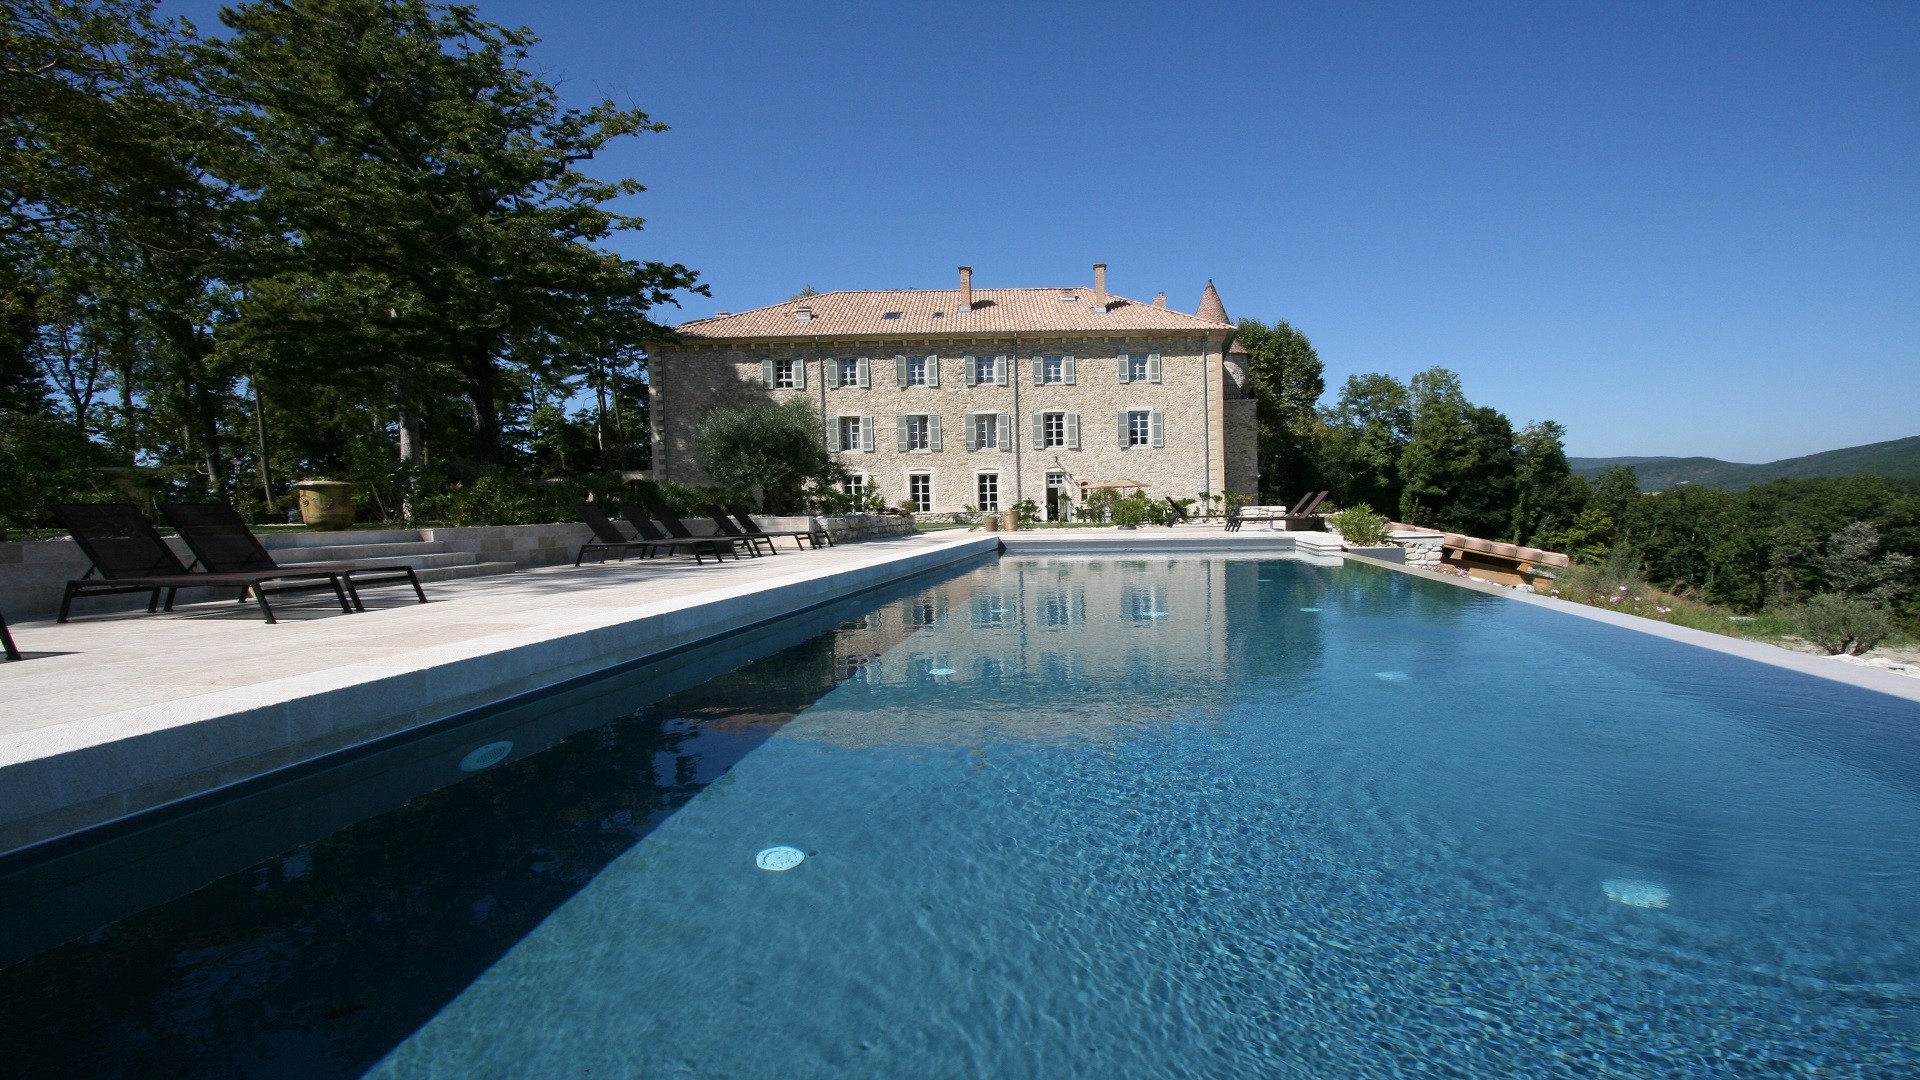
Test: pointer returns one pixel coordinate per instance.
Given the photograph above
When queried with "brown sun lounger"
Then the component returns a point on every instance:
(726, 526)
(1302, 516)
(130, 556)
(672, 523)
(752, 528)
(607, 536)
(656, 539)
(222, 543)
(7, 646)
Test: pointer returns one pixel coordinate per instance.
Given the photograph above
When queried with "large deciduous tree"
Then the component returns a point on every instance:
(1288, 379)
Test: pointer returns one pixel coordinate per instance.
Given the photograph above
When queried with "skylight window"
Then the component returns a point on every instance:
(1069, 298)
(939, 314)
(890, 315)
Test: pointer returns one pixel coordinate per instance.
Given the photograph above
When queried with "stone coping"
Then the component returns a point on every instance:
(112, 716)
(1865, 678)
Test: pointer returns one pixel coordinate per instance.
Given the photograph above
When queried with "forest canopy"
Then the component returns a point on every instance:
(345, 238)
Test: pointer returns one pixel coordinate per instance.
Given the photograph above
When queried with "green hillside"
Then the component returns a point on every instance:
(1898, 460)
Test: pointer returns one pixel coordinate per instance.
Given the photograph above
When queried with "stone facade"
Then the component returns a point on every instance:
(1197, 432)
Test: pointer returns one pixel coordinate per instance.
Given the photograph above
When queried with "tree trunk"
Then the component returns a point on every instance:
(482, 381)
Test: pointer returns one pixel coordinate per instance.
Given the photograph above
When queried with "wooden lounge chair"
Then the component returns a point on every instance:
(657, 539)
(7, 647)
(752, 528)
(678, 529)
(130, 557)
(222, 543)
(606, 535)
(1301, 516)
(1176, 514)
(1233, 519)
(725, 524)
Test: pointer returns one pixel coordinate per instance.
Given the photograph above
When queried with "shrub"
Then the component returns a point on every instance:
(772, 449)
(1027, 512)
(1841, 624)
(1360, 526)
(1130, 510)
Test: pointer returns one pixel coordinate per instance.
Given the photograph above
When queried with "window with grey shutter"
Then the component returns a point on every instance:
(1073, 431)
(972, 372)
(833, 373)
(1000, 366)
(1126, 429)
(1126, 368)
(1158, 425)
(1153, 367)
(1067, 370)
(866, 434)
(833, 434)
(864, 372)
(1003, 423)
(1039, 430)
(933, 431)
(901, 437)
(933, 371)
(900, 370)
(973, 441)
(766, 373)
(799, 374)
(1039, 371)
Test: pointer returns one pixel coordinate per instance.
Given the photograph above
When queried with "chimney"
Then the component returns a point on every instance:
(1100, 287)
(966, 288)
(1160, 300)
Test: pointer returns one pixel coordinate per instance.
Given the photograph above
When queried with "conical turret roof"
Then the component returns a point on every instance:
(1211, 309)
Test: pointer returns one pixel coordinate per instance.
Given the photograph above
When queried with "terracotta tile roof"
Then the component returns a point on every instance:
(913, 312)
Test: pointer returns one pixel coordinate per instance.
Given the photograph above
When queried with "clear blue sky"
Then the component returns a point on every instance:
(1676, 229)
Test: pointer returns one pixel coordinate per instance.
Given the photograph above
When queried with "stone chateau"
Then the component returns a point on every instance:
(951, 399)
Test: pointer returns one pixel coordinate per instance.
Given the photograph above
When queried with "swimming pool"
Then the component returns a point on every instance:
(1150, 817)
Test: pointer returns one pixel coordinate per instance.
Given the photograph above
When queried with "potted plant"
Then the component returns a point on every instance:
(326, 505)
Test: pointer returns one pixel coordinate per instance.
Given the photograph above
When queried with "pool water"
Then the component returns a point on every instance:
(1162, 817)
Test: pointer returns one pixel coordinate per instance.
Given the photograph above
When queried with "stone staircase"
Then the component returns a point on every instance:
(432, 560)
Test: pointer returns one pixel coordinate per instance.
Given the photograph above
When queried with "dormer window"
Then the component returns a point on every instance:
(1069, 298)
(803, 313)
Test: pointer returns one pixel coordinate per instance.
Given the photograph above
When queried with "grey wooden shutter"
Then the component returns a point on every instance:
(1000, 365)
(766, 374)
(900, 433)
(933, 371)
(973, 372)
(799, 374)
(973, 436)
(1067, 370)
(1039, 430)
(1153, 367)
(1126, 436)
(1073, 431)
(833, 373)
(1039, 371)
(833, 434)
(867, 441)
(1157, 427)
(1003, 430)
(900, 370)
(933, 431)
(863, 372)
(1126, 368)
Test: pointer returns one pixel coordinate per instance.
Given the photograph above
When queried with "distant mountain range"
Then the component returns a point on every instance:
(1898, 460)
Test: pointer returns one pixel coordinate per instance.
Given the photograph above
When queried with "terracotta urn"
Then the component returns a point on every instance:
(326, 505)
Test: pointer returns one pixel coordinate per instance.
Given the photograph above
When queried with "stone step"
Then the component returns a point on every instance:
(356, 552)
(470, 570)
(280, 539)
(432, 560)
